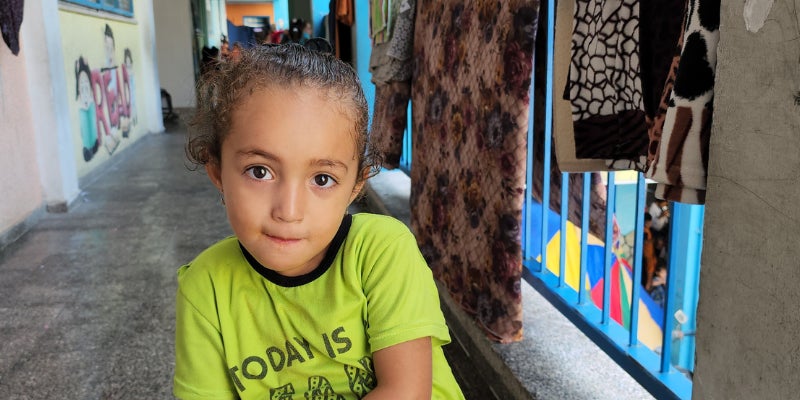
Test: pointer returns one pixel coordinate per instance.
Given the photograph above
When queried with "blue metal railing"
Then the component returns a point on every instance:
(654, 366)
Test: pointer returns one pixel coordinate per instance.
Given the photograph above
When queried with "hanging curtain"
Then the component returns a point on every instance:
(472, 73)
(392, 31)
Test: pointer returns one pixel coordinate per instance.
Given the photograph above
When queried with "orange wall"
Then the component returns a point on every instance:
(237, 11)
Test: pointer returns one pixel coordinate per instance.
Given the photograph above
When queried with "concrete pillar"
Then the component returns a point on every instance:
(747, 320)
(47, 86)
(152, 91)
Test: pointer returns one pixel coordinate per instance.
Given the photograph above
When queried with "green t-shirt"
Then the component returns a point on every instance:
(243, 331)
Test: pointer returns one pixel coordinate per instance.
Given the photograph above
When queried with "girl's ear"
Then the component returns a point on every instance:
(214, 173)
(360, 182)
(357, 190)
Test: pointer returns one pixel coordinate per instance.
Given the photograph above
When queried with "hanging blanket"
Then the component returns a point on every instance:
(470, 115)
(681, 158)
(604, 84)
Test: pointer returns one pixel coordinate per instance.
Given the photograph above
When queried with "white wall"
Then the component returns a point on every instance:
(174, 33)
(47, 86)
(19, 182)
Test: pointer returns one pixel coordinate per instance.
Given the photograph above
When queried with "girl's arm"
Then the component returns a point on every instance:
(404, 371)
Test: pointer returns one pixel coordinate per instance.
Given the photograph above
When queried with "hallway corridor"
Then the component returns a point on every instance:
(86, 297)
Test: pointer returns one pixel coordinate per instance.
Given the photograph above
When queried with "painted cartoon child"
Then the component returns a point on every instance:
(129, 88)
(305, 301)
(87, 113)
(111, 90)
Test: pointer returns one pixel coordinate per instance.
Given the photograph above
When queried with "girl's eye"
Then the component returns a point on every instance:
(324, 181)
(259, 172)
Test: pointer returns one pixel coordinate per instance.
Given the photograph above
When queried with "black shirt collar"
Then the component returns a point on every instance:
(291, 281)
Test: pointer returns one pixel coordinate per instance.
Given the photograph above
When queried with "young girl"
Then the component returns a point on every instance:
(305, 301)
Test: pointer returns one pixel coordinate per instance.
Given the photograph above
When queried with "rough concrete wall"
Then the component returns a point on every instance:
(747, 345)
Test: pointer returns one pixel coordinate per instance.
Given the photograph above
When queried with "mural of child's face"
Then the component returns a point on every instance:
(109, 45)
(85, 90)
(129, 65)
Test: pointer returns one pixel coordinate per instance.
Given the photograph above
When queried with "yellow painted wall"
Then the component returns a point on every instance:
(107, 118)
(237, 11)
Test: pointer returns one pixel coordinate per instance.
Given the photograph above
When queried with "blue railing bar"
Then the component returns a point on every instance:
(528, 251)
(548, 130)
(690, 228)
(638, 242)
(585, 201)
(405, 158)
(611, 201)
(669, 304)
(562, 244)
(640, 362)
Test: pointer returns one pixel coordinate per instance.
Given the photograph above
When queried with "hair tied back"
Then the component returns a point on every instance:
(319, 44)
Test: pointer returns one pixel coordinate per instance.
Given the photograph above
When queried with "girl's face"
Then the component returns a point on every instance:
(109, 47)
(288, 170)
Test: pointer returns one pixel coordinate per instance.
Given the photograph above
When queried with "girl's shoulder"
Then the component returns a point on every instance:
(213, 260)
(377, 226)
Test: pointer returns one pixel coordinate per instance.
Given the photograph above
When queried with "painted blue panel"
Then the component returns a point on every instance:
(363, 49)
(280, 9)
(319, 10)
(108, 6)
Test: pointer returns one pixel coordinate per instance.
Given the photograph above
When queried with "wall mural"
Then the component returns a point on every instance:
(106, 99)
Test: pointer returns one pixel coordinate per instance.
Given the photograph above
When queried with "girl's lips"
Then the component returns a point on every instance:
(280, 240)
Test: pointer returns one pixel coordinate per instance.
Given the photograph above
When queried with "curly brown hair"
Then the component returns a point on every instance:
(222, 89)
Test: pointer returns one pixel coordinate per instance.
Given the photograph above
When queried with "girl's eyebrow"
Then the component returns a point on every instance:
(330, 163)
(323, 162)
(258, 153)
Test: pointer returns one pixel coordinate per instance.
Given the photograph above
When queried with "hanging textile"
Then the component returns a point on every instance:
(604, 84)
(379, 12)
(563, 132)
(470, 94)
(597, 196)
(390, 65)
(389, 120)
(680, 163)
(10, 22)
(343, 16)
(660, 41)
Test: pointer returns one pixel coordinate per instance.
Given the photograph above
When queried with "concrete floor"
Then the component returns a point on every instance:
(87, 297)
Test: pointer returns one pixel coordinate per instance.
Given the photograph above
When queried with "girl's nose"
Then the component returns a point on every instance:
(289, 204)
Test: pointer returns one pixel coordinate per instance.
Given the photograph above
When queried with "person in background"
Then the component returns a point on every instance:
(224, 49)
(295, 32)
(659, 211)
(236, 52)
(308, 31)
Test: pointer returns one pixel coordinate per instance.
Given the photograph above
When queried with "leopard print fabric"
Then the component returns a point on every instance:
(680, 165)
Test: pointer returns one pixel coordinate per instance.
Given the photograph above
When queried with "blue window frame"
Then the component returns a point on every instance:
(121, 7)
